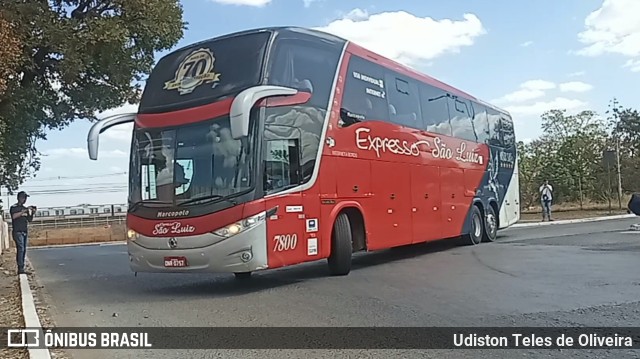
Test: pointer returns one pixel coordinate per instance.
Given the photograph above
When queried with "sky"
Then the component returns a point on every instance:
(524, 56)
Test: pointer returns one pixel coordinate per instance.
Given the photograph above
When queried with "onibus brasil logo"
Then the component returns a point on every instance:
(193, 71)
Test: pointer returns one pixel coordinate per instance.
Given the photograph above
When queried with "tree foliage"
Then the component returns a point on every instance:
(9, 52)
(75, 58)
(571, 155)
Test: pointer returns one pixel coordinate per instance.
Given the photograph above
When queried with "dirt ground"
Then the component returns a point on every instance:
(10, 302)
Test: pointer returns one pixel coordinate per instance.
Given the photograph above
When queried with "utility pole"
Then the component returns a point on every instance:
(619, 173)
(609, 181)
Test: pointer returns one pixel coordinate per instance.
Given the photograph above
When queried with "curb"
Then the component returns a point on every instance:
(95, 244)
(570, 221)
(31, 319)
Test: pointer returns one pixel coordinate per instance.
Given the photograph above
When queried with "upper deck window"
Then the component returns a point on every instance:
(305, 65)
(205, 72)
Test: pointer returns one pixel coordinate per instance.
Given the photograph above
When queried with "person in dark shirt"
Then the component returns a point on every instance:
(20, 217)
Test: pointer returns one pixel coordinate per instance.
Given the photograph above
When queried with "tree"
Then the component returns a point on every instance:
(580, 140)
(9, 52)
(78, 57)
(624, 125)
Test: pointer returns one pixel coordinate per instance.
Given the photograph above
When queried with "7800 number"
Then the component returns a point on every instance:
(285, 242)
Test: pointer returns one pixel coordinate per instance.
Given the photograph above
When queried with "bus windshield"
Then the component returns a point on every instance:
(172, 166)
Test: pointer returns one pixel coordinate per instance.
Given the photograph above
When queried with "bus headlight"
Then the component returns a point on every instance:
(240, 226)
(132, 235)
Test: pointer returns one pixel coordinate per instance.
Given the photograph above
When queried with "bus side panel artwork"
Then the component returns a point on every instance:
(425, 188)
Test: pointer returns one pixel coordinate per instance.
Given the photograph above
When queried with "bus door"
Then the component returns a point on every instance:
(282, 171)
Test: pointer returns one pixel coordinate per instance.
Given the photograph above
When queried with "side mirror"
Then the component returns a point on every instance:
(244, 101)
(103, 125)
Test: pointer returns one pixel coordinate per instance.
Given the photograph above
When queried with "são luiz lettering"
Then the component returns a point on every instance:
(96, 340)
(587, 340)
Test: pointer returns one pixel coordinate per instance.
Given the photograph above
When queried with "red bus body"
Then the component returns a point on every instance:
(393, 184)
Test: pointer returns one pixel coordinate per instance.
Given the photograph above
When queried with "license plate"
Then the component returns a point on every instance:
(175, 262)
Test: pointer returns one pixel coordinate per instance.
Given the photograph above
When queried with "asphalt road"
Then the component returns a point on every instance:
(571, 275)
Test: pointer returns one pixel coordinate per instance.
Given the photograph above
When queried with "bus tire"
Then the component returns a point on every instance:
(476, 232)
(242, 275)
(490, 225)
(341, 246)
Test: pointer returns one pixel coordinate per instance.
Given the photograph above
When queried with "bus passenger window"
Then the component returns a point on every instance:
(435, 110)
(364, 96)
(306, 66)
(480, 122)
(495, 136)
(404, 102)
(460, 119)
(506, 129)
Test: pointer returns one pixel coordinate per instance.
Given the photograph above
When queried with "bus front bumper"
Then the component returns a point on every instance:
(243, 252)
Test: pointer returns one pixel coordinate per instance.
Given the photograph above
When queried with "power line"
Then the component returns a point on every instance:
(29, 187)
(107, 190)
(87, 190)
(78, 177)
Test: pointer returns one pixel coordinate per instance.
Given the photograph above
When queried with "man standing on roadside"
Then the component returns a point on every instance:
(546, 196)
(20, 216)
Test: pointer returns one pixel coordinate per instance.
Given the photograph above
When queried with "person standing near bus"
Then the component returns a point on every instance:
(20, 217)
(546, 197)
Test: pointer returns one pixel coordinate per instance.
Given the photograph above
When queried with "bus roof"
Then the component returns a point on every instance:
(382, 60)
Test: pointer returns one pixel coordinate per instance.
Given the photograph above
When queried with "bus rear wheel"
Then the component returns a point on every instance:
(341, 246)
(490, 225)
(477, 226)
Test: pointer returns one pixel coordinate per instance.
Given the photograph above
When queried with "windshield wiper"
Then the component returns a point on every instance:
(209, 197)
(137, 204)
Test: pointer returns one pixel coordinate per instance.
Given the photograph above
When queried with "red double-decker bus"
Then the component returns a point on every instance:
(272, 147)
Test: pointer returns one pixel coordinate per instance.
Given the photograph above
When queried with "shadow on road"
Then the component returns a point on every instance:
(225, 285)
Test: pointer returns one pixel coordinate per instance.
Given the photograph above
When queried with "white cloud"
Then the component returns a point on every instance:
(541, 85)
(119, 133)
(529, 90)
(77, 152)
(521, 95)
(612, 28)
(357, 15)
(405, 37)
(255, 3)
(535, 97)
(538, 108)
(633, 65)
(575, 86)
(526, 43)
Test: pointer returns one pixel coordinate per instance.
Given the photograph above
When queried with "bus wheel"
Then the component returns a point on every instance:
(490, 225)
(477, 226)
(243, 275)
(341, 246)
